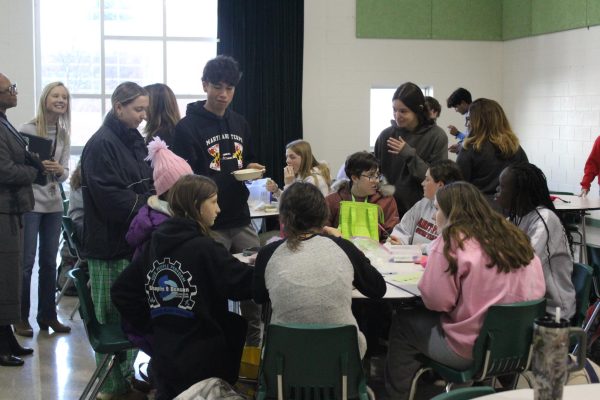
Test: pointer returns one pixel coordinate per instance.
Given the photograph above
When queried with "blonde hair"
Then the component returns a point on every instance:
(64, 121)
(489, 124)
(308, 162)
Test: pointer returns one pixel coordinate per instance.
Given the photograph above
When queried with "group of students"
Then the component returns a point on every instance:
(160, 228)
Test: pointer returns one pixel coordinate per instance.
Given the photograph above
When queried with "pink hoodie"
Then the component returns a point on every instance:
(465, 297)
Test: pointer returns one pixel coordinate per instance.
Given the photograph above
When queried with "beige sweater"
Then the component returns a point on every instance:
(47, 197)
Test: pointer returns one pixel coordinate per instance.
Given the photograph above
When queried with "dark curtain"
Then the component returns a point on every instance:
(267, 38)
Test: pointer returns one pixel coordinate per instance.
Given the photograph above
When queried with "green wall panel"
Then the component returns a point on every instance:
(593, 12)
(557, 15)
(400, 19)
(516, 19)
(467, 19)
(471, 19)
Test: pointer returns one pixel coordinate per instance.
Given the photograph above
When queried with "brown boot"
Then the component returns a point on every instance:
(55, 325)
(22, 328)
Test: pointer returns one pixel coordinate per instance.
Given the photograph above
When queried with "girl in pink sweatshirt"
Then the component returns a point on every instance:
(479, 259)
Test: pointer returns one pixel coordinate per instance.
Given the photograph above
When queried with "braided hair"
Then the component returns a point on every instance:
(530, 191)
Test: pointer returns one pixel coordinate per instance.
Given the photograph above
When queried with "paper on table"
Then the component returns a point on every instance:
(407, 278)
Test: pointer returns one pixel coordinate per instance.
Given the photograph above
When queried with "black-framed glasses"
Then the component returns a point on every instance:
(373, 178)
(12, 89)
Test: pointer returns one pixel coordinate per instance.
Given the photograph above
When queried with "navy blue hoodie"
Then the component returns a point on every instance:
(216, 146)
(177, 291)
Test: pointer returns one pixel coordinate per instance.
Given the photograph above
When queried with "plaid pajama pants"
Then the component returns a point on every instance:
(102, 275)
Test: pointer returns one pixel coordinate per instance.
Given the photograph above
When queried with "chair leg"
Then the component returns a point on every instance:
(66, 285)
(101, 380)
(415, 381)
(92, 380)
(74, 311)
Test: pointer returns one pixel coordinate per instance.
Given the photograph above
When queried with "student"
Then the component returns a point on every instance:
(479, 259)
(302, 166)
(216, 141)
(433, 108)
(162, 114)
(18, 170)
(418, 224)
(363, 170)
(53, 121)
(195, 336)
(490, 147)
(309, 276)
(166, 169)
(523, 194)
(75, 211)
(405, 151)
(591, 169)
(460, 100)
(116, 183)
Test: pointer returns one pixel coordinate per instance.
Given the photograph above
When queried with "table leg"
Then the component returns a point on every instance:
(583, 255)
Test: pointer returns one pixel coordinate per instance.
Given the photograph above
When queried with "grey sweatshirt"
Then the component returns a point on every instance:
(556, 258)
(418, 225)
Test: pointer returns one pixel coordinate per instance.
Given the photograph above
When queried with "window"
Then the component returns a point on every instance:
(106, 42)
(381, 109)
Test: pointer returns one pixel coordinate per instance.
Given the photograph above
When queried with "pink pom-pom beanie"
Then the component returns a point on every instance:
(168, 167)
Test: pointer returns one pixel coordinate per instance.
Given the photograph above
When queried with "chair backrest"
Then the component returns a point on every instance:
(86, 305)
(582, 281)
(465, 393)
(593, 253)
(310, 362)
(504, 342)
(70, 237)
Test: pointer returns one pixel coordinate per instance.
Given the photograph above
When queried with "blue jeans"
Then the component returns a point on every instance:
(47, 227)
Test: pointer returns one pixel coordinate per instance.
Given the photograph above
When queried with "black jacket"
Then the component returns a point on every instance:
(482, 167)
(116, 182)
(178, 290)
(216, 146)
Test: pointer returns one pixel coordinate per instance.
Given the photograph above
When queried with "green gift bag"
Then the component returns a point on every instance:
(360, 219)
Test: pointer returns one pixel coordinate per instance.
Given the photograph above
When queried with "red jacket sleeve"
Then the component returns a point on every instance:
(592, 165)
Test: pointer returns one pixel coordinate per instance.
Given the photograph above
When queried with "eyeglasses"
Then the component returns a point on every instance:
(12, 89)
(373, 178)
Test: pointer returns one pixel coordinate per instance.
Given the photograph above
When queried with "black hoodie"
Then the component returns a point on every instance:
(216, 146)
(178, 290)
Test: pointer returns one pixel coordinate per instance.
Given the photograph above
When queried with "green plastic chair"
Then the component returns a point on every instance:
(72, 243)
(593, 253)
(305, 362)
(582, 281)
(503, 346)
(107, 339)
(465, 393)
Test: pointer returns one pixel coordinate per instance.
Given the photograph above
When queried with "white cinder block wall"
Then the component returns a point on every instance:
(551, 93)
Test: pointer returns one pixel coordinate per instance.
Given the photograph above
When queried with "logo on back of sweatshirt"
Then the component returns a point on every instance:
(169, 289)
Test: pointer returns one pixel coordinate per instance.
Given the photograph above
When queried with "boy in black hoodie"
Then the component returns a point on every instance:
(216, 141)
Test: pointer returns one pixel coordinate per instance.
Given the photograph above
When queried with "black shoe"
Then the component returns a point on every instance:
(8, 360)
(21, 351)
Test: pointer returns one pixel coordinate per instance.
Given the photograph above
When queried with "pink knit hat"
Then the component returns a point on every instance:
(168, 167)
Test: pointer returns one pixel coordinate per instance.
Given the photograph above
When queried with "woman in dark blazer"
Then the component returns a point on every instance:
(18, 170)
